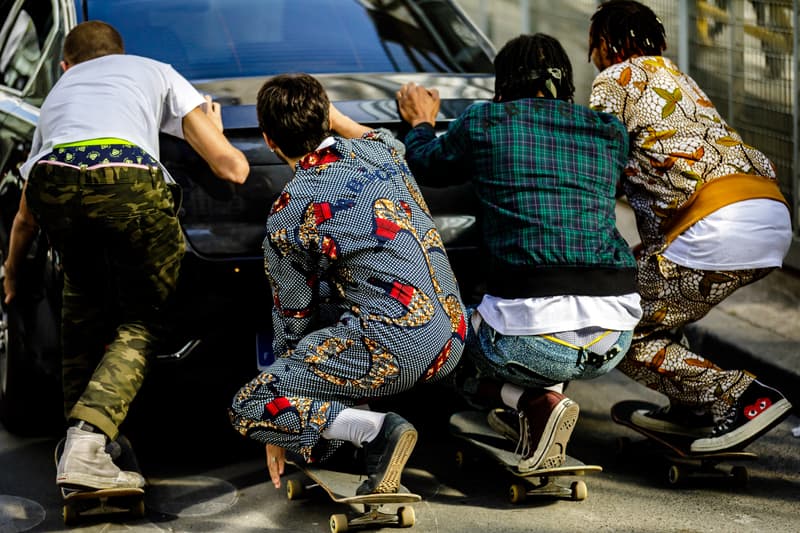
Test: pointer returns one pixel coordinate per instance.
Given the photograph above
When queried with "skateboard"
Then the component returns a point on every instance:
(80, 503)
(681, 464)
(341, 488)
(472, 429)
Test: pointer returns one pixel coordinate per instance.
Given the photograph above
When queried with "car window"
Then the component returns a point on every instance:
(24, 42)
(208, 39)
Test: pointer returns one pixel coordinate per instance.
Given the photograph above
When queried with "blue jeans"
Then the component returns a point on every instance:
(534, 361)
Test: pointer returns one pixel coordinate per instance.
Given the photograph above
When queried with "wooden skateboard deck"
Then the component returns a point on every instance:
(80, 503)
(341, 488)
(675, 450)
(472, 428)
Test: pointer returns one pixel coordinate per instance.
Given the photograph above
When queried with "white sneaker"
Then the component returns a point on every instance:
(85, 463)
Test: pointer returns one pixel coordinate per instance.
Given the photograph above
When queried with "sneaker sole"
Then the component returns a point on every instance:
(744, 435)
(88, 481)
(556, 447)
(390, 482)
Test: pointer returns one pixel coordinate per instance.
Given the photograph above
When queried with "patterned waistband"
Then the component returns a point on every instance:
(100, 155)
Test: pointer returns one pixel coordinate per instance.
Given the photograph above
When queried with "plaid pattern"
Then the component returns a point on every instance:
(545, 172)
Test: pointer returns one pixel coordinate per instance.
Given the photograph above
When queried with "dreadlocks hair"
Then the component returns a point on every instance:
(628, 28)
(531, 64)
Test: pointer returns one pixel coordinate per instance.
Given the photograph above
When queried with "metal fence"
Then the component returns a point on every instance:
(742, 53)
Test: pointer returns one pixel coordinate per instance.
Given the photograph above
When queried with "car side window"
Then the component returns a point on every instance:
(24, 42)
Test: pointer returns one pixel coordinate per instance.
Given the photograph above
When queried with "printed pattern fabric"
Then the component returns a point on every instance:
(365, 301)
(679, 140)
(659, 356)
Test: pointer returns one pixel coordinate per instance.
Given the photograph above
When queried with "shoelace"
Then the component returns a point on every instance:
(524, 444)
(724, 424)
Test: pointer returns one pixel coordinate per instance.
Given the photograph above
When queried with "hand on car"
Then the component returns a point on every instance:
(418, 104)
(276, 462)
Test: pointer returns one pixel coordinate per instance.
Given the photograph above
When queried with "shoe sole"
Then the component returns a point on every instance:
(747, 433)
(390, 483)
(88, 481)
(556, 446)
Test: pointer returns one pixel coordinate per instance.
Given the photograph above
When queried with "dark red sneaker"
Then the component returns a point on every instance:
(548, 422)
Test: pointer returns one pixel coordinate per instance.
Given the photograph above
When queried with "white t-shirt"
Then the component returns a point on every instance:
(553, 314)
(116, 96)
(749, 234)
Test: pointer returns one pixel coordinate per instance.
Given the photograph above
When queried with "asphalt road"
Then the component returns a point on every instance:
(204, 477)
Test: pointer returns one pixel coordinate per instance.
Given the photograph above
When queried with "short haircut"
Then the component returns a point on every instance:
(293, 111)
(91, 39)
(529, 64)
(629, 28)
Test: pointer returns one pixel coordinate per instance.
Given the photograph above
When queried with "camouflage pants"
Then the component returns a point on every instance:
(659, 356)
(121, 247)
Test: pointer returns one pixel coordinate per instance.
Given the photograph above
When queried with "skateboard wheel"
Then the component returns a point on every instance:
(338, 523)
(674, 475)
(579, 490)
(138, 509)
(517, 493)
(740, 476)
(406, 516)
(69, 515)
(459, 458)
(294, 489)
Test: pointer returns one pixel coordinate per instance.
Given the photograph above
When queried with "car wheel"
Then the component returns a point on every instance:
(30, 362)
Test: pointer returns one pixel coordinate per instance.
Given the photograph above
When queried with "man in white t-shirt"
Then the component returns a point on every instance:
(95, 187)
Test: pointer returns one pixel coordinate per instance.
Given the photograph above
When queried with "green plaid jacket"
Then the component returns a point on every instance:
(545, 173)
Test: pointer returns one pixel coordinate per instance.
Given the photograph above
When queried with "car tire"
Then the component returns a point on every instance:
(30, 355)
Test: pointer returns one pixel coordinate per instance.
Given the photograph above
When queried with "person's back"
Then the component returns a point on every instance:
(378, 247)
(542, 171)
(117, 96)
(680, 141)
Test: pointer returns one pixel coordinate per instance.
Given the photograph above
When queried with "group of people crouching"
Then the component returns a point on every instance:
(366, 304)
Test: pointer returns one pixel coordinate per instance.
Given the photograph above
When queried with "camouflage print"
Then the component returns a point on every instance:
(659, 356)
(121, 248)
